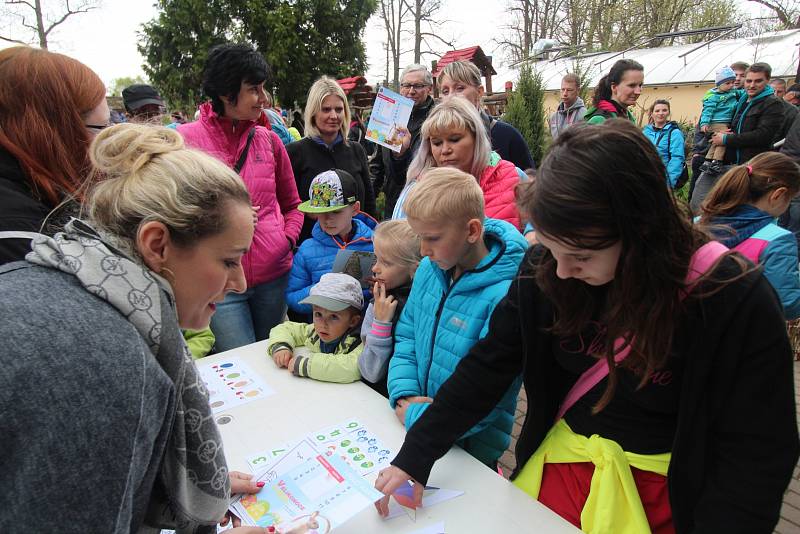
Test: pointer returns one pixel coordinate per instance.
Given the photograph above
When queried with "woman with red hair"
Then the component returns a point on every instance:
(51, 106)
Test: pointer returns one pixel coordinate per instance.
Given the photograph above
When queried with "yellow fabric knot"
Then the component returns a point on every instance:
(613, 504)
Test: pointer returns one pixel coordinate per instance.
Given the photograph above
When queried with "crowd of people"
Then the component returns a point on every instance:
(650, 336)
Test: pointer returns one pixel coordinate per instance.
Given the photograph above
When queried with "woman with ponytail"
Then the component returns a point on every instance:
(616, 92)
(657, 366)
(741, 210)
(119, 410)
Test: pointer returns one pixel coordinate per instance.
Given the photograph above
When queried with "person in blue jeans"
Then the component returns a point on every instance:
(231, 129)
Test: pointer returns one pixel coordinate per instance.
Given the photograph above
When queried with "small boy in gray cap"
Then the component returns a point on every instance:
(333, 338)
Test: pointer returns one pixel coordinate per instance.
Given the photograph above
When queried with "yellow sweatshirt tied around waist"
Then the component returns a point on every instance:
(613, 504)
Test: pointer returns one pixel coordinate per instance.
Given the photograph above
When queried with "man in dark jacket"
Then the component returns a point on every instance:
(757, 119)
(388, 168)
(791, 147)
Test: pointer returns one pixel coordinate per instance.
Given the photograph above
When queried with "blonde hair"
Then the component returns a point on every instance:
(400, 242)
(144, 173)
(452, 114)
(323, 87)
(445, 194)
(462, 71)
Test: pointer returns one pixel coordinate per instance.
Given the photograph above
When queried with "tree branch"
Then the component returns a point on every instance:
(10, 40)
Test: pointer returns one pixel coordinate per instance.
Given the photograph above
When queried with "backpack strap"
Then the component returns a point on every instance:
(702, 261)
(243, 156)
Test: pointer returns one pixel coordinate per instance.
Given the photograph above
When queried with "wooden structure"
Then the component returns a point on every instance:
(473, 54)
(360, 95)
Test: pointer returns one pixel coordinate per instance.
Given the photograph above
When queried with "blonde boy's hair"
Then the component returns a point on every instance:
(445, 194)
(324, 87)
(400, 242)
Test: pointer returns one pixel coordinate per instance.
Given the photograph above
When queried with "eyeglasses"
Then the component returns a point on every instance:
(415, 86)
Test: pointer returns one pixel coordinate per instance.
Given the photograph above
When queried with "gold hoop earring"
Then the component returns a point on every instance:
(168, 275)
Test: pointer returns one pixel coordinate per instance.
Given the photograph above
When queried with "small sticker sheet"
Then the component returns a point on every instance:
(231, 383)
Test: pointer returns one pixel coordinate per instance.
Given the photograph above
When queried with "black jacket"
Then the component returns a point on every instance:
(792, 145)
(389, 171)
(736, 440)
(20, 209)
(309, 158)
(755, 125)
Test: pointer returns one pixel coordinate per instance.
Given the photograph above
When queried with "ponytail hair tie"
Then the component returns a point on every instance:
(749, 170)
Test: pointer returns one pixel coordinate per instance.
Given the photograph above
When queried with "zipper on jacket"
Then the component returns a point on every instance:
(435, 329)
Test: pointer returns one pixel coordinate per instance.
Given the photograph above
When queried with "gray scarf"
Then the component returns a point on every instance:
(192, 489)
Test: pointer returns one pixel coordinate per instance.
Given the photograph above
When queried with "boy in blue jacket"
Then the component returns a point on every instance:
(468, 267)
(719, 105)
(339, 226)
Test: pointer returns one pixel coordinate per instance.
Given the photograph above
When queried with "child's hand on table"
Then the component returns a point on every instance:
(402, 406)
(388, 481)
(282, 357)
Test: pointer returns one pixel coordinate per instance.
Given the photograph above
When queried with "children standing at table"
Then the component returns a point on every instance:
(741, 210)
(337, 302)
(339, 226)
(397, 251)
(468, 266)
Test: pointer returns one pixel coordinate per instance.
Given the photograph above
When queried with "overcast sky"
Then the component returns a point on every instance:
(105, 39)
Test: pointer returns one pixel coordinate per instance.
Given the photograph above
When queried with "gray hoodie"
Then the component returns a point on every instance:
(564, 118)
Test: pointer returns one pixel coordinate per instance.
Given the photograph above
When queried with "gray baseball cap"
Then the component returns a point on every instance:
(336, 292)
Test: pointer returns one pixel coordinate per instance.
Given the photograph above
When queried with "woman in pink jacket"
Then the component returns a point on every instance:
(453, 136)
(232, 129)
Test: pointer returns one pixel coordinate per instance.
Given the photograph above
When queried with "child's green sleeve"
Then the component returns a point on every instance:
(200, 342)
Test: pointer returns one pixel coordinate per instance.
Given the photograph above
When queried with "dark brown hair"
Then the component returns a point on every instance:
(747, 183)
(614, 76)
(602, 184)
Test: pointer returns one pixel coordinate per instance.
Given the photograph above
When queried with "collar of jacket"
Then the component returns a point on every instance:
(321, 142)
(228, 125)
(575, 105)
(423, 108)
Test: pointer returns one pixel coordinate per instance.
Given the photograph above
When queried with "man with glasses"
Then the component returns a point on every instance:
(388, 168)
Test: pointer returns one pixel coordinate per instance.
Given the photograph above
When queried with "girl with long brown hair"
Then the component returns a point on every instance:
(741, 210)
(51, 106)
(656, 365)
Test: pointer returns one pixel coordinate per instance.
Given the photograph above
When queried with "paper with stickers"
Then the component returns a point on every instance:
(303, 483)
(232, 383)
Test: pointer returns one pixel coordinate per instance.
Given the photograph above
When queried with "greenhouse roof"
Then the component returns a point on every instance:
(682, 64)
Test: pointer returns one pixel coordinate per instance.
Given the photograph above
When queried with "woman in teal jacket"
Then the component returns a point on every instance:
(668, 138)
(440, 323)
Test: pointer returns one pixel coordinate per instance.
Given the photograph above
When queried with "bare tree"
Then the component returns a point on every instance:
(427, 26)
(41, 19)
(394, 14)
(787, 11)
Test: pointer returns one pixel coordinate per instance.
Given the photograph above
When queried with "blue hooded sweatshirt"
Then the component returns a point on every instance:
(669, 143)
(440, 323)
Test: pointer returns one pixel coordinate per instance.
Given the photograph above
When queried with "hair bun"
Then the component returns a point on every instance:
(124, 149)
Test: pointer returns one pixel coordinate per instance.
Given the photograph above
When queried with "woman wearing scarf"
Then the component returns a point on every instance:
(107, 426)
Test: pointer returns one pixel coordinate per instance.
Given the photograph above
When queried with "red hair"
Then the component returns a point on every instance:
(44, 98)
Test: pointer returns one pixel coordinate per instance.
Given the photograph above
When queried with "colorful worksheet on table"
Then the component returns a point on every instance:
(355, 444)
(390, 112)
(232, 383)
(303, 483)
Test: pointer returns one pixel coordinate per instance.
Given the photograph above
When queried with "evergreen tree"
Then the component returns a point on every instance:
(525, 111)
